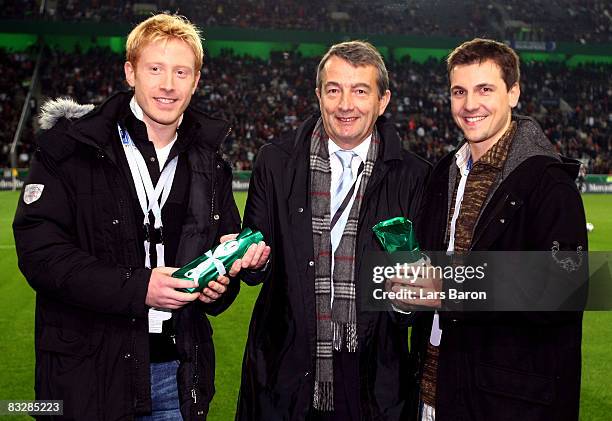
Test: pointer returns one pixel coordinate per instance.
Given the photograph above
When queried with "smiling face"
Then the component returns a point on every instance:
(164, 78)
(481, 104)
(350, 102)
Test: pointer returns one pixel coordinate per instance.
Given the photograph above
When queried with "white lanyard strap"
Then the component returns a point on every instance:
(163, 187)
(127, 143)
(148, 196)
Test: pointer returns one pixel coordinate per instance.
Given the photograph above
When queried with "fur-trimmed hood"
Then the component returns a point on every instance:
(66, 123)
(55, 109)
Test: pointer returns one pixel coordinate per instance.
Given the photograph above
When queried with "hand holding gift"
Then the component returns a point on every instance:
(162, 290)
(255, 258)
(208, 272)
(419, 287)
(421, 290)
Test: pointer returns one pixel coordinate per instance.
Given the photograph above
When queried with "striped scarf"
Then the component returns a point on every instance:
(337, 324)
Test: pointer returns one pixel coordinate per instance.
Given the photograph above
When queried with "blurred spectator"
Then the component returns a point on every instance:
(16, 70)
(262, 98)
(530, 20)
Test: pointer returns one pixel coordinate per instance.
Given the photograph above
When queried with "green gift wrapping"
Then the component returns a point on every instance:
(220, 259)
(397, 234)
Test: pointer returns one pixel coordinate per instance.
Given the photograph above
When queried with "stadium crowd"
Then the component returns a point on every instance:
(15, 72)
(533, 20)
(263, 98)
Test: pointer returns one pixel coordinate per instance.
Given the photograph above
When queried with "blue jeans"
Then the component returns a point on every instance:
(164, 393)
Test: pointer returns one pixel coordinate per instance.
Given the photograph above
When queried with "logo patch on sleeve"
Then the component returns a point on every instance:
(32, 193)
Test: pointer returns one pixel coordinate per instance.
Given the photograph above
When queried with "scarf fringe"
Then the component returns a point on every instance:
(337, 335)
(323, 399)
(351, 337)
(344, 333)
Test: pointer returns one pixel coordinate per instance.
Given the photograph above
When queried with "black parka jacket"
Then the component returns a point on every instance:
(77, 247)
(278, 367)
(509, 365)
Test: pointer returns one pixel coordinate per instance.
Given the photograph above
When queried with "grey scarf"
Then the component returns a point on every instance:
(336, 325)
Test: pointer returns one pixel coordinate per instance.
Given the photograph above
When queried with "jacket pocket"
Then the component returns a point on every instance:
(522, 385)
(69, 342)
(494, 224)
(63, 366)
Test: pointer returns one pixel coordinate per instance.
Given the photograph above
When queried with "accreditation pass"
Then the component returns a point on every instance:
(31, 407)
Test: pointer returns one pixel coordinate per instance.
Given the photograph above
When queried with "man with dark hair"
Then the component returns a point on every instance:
(503, 189)
(312, 353)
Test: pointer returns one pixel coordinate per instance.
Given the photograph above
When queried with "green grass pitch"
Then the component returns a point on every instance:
(17, 324)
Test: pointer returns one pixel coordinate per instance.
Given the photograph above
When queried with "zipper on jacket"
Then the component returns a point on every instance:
(194, 389)
(214, 181)
(214, 190)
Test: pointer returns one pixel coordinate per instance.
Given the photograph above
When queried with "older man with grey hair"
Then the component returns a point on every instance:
(313, 352)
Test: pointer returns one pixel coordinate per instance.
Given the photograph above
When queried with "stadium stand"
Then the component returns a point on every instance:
(531, 20)
(263, 98)
(15, 73)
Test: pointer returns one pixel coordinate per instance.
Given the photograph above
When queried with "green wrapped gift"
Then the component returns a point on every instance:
(397, 234)
(219, 260)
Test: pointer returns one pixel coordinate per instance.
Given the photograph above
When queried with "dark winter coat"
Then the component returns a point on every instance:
(509, 365)
(77, 248)
(278, 368)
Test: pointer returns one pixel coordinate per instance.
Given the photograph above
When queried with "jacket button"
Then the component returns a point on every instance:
(216, 217)
(133, 320)
(300, 210)
(311, 263)
(502, 220)
(200, 413)
(152, 159)
(513, 203)
(307, 374)
(127, 356)
(218, 166)
(115, 221)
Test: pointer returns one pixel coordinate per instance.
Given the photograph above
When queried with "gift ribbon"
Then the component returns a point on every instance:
(218, 263)
(197, 271)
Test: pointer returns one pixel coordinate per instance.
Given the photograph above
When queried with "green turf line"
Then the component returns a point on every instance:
(17, 313)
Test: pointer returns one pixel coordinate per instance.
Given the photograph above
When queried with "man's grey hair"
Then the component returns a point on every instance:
(357, 53)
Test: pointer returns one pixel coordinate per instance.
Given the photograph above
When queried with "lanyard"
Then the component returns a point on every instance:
(149, 196)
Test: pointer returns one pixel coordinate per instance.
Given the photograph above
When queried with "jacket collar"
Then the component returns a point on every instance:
(98, 128)
(529, 140)
(390, 146)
